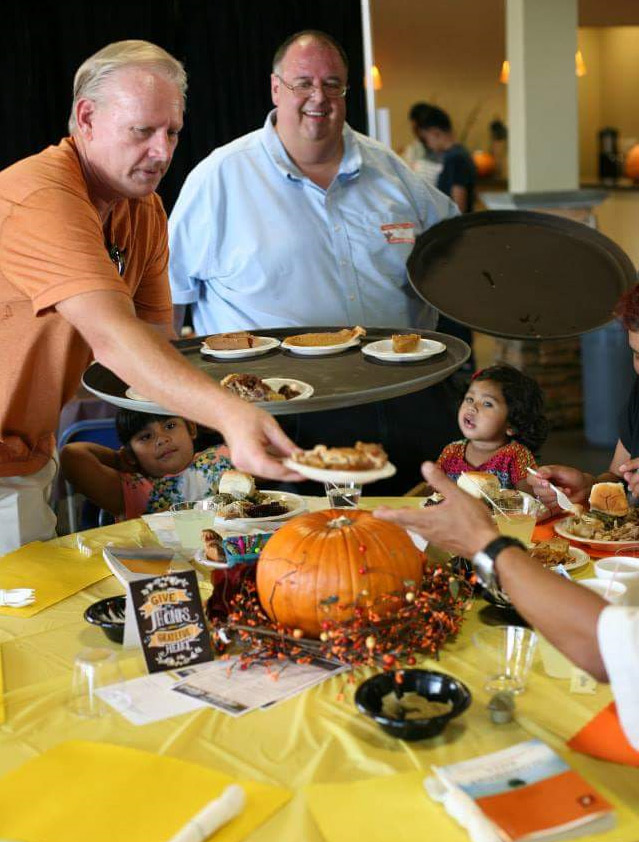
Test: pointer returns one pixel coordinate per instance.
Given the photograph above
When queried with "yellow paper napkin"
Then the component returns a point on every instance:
(397, 808)
(54, 572)
(106, 793)
(2, 714)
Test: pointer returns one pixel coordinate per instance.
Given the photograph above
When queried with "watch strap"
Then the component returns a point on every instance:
(494, 547)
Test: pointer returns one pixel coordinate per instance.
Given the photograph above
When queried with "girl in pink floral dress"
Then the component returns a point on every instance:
(502, 419)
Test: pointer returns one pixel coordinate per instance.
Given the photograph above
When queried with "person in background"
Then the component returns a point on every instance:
(156, 466)
(307, 222)
(624, 465)
(417, 155)
(458, 176)
(83, 273)
(600, 638)
(502, 419)
(457, 180)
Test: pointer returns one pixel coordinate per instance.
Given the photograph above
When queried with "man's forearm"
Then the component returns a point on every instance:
(143, 358)
(564, 612)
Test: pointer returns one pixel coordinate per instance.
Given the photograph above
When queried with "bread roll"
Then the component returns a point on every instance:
(609, 498)
(237, 483)
(470, 480)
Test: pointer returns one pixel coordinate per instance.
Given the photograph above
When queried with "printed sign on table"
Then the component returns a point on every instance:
(170, 619)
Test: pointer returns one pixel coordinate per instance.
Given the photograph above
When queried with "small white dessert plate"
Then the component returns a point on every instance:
(319, 350)
(305, 389)
(383, 350)
(262, 345)
(326, 475)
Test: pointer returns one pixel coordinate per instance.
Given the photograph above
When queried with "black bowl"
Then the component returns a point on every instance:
(109, 615)
(435, 686)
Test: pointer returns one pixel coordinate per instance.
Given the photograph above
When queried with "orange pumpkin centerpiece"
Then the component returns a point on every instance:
(323, 565)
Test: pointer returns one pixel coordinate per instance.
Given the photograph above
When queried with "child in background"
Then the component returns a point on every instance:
(156, 466)
(502, 419)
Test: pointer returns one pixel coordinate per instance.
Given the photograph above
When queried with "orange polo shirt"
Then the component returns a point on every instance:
(52, 247)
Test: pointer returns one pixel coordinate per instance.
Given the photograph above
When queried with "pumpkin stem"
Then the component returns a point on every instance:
(339, 522)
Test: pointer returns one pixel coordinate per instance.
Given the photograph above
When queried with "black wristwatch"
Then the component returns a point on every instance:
(484, 561)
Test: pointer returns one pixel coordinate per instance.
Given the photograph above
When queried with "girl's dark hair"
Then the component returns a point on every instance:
(525, 402)
(128, 423)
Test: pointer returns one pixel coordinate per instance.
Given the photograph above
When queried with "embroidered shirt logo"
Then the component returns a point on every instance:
(398, 232)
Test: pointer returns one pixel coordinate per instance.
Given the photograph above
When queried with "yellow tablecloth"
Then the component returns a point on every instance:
(317, 737)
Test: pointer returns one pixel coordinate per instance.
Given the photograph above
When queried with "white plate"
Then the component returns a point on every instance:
(261, 346)
(326, 475)
(595, 543)
(305, 389)
(383, 350)
(579, 558)
(296, 506)
(320, 350)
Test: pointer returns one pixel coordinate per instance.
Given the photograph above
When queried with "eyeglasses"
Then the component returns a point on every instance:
(333, 90)
(117, 258)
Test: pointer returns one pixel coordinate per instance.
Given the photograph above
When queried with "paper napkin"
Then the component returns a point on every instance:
(108, 793)
(55, 572)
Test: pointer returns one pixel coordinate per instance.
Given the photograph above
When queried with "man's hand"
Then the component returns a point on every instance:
(629, 470)
(575, 483)
(255, 439)
(461, 524)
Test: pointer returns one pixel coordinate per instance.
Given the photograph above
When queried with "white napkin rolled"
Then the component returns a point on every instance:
(211, 818)
(17, 597)
(462, 808)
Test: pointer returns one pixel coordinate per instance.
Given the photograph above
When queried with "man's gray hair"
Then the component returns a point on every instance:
(91, 75)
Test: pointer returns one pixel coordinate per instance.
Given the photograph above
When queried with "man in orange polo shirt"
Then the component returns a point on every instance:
(83, 272)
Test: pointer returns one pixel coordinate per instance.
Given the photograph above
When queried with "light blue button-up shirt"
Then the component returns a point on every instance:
(254, 243)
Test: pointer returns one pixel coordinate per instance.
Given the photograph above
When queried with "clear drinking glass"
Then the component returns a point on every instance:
(343, 495)
(519, 519)
(92, 670)
(506, 654)
(190, 519)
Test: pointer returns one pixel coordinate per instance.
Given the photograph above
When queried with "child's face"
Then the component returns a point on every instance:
(164, 447)
(483, 414)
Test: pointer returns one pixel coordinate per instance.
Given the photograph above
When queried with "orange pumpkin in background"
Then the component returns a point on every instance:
(485, 163)
(631, 163)
(321, 566)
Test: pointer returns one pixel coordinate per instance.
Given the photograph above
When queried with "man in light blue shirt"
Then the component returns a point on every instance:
(258, 240)
(306, 222)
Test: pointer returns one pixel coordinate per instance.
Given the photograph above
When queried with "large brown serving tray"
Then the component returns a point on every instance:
(520, 274)
(339, 380)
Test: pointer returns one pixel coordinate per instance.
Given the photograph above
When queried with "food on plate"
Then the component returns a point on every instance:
(311, 340)
(236, 483)
(433, 499)
(608, 499)
(474, 482)
(362, 457)
(411, 705)
(213, 548)
(552, 552)
(507, 498)
(405, 343)
(237, 341)
(237, 497)
(252, 388)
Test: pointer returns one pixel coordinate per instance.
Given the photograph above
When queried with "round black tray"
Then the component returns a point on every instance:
(520, 274)
(339, 380)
